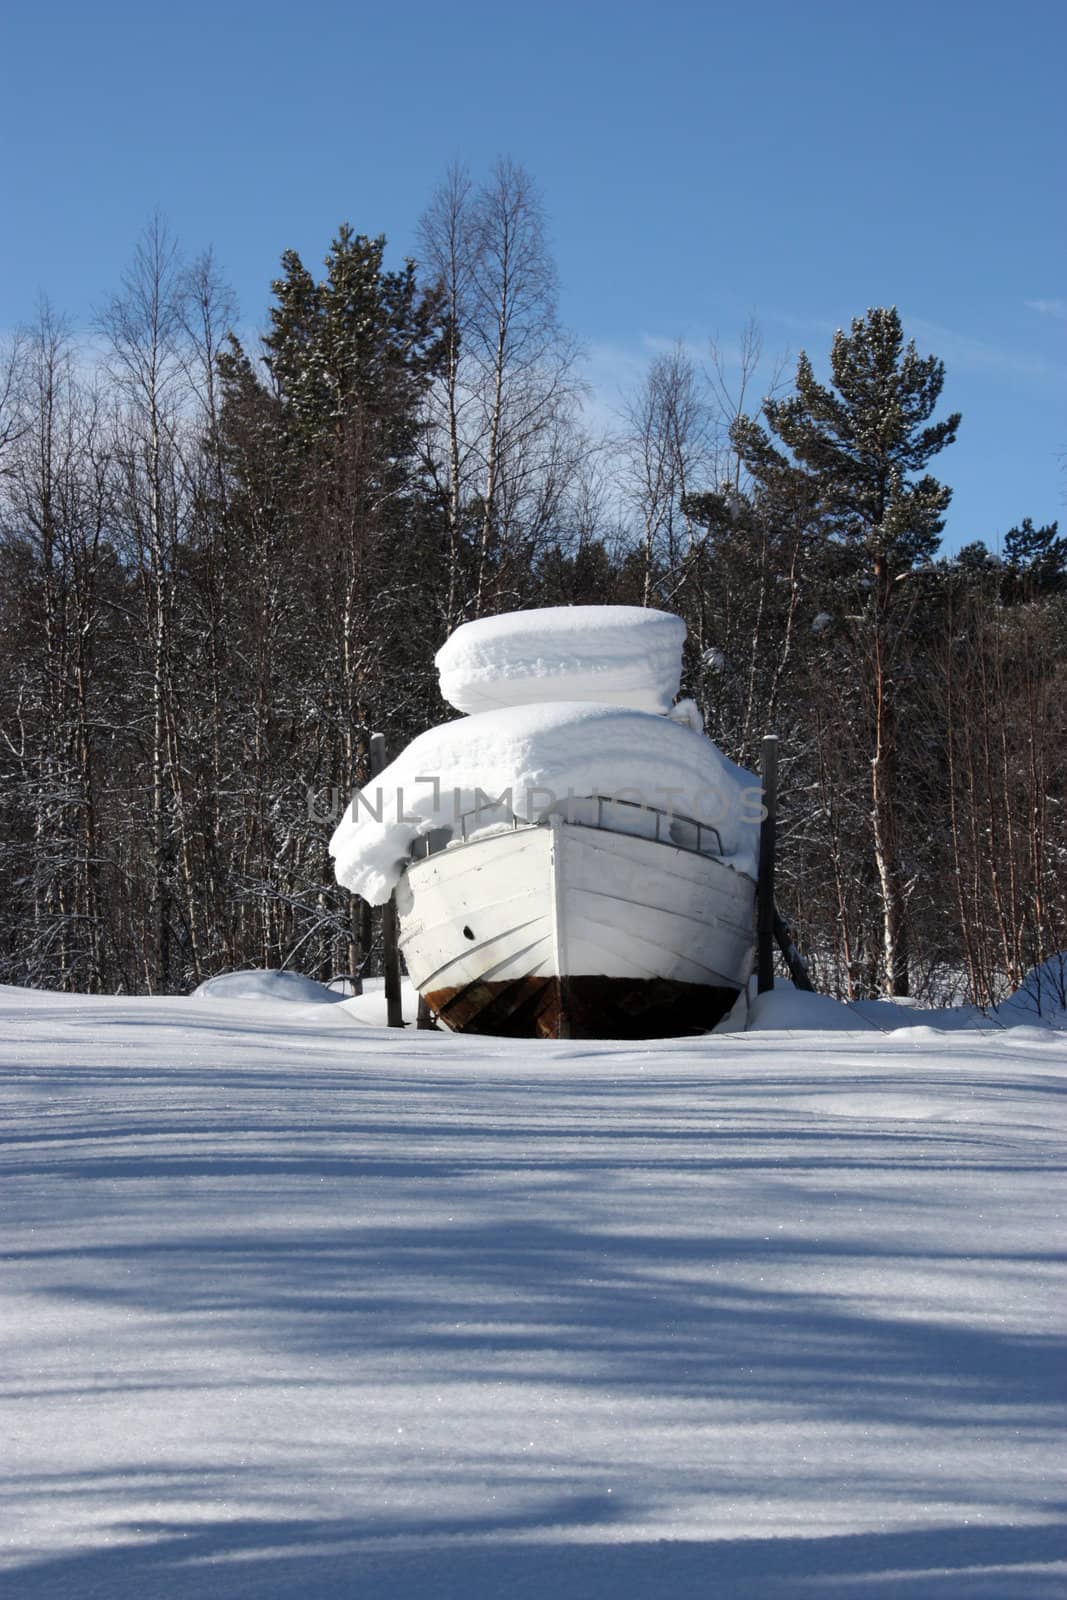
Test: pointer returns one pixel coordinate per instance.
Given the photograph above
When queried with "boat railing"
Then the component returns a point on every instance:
(668, 827)
(665, 827)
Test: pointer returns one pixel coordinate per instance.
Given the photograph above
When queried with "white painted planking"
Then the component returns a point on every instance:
(558, 899)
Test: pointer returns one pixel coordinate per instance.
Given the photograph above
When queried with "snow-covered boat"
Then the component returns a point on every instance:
(606, 889)
(612, 922)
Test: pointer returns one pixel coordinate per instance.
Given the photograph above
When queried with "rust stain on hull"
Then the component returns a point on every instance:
(582, 1008)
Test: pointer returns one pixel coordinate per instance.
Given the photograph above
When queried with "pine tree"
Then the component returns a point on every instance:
(330, 502)
(1036, 558)
(361, 338)
(858, 445)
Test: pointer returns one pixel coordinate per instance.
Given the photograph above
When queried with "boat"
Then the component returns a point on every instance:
(602, 919)
(625, 910)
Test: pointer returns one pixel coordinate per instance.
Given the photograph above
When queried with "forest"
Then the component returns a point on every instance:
(226, 560)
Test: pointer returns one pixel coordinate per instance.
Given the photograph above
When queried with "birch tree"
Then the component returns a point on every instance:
(143, 326)
(504, 406)
(55, 560)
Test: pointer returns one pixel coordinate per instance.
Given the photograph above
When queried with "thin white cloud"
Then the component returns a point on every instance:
(1049, 308)
(968, 353)
(963, 351)
(656, 345)
(816, 328)
(615, 371)
(611, 371)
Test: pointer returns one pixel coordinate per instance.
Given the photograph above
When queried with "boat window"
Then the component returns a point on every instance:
(684, 832)
(625, 816)
(429, 843)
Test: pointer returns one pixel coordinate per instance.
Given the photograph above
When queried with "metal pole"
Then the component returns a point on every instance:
(394, 1009)
(765, 881)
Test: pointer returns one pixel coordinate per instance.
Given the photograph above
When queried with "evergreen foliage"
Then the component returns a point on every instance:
(860, 441)
(1036, 557)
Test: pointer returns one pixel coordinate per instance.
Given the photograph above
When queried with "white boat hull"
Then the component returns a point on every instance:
(566, 930)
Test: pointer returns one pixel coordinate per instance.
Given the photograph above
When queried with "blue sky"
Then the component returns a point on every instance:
(699, 162)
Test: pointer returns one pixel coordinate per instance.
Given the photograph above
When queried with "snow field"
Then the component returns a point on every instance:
(295, 1306)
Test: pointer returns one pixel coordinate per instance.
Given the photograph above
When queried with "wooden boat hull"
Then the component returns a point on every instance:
(582, 1008)
(565, 931)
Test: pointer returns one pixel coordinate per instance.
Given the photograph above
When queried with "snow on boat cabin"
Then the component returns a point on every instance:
(544, 759)
(618, 655)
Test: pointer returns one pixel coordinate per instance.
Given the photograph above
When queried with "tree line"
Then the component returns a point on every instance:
(224, 563)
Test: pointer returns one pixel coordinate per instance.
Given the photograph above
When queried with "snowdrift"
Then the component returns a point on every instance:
(1042, 993)
(369, 1008)
(618, 655)
(532, 760)
(789, 1010)
(267, 984)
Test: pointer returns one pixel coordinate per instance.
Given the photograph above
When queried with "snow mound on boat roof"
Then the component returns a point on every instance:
(266, 984)
(618, 655)
(538, 756)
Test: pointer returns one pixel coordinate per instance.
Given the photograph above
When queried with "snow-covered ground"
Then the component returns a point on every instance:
(294, 1307)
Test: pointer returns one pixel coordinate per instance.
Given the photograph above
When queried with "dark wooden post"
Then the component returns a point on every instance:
(394, 1009)
(356, 952)
(765, 882)
(798, 967)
